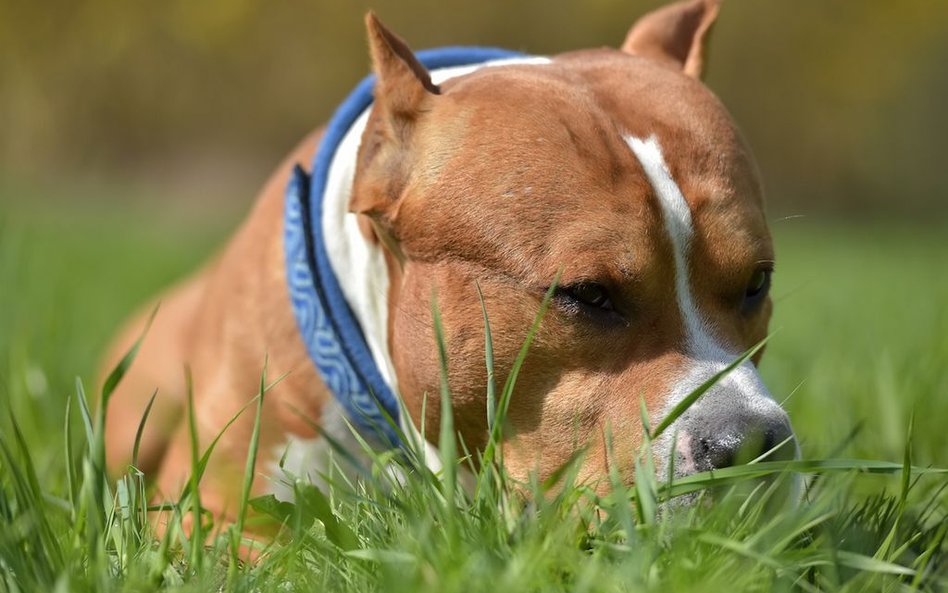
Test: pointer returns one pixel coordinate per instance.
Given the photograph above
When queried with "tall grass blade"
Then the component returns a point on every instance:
(447, 440)
(31, 494)
(249, 469)
(907, 465)
(141, 428)
(71, 484)
(496, 433)
(193, 490)
(86, 415)
(867, 564)
(116, 374)
(730, 475)
(618, 509)
(646, 485)
(93, 496)
(489, 361)
(905, 483)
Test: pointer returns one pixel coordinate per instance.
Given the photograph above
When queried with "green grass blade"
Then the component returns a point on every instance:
(141, 428)
(618, 509)
(731, 475)
(447, 440)
(503, 405)
(197, 471)
(907, 464)
(922, 562)
(646, 484)
(116, 374)
(71, 485)
(740, 548)
(489, 361)
(867, 564)
(249, 469)
(28, 485)
(86, 414)
(574, 461)
(194, 492)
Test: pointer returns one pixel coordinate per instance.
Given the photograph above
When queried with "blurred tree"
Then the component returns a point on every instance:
(842, 101)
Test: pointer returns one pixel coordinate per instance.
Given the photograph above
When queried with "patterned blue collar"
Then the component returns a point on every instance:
(331, 331)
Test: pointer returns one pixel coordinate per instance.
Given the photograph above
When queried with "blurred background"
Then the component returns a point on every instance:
(135, 135)
(195, 102)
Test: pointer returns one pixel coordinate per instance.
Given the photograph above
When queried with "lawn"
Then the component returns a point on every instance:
(860, 348)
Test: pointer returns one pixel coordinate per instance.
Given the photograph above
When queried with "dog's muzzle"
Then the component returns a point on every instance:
(735, 422)
(721, 434)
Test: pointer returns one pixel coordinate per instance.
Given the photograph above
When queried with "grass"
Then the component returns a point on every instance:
(860, 358)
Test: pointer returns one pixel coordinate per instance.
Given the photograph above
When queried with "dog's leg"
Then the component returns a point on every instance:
(225, 324)
(159, 366)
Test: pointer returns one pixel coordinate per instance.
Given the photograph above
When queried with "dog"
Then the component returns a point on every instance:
(612, 176)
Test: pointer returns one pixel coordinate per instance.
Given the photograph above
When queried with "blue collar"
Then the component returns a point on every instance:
(332, 334)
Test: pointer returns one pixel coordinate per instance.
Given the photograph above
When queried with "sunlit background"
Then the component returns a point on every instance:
(843, 102)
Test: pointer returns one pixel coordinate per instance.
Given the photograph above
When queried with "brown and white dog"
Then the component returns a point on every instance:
(618, 168)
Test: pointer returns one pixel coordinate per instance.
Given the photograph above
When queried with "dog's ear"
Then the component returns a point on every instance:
(674, 34)
(403, 91)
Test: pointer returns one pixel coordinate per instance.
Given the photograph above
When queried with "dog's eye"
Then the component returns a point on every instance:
(589, 294)
(757, 288)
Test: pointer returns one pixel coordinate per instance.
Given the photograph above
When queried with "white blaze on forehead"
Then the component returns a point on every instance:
(707, 356)
(701, 344)
(677, 216)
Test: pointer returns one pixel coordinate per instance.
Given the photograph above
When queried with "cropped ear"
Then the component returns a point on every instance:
(403, 90)
(674, 34)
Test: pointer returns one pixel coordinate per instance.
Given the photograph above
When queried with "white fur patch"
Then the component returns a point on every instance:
(309, 460)
(677, 216)
(707, 356)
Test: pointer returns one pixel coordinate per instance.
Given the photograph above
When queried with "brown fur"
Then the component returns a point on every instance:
(498, 179)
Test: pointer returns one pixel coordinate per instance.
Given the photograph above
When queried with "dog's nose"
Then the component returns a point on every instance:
(719, 438)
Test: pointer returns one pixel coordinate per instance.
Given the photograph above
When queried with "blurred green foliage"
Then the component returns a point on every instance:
(843, 102)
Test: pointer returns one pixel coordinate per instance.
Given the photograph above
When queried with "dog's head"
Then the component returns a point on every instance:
(618, 170)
